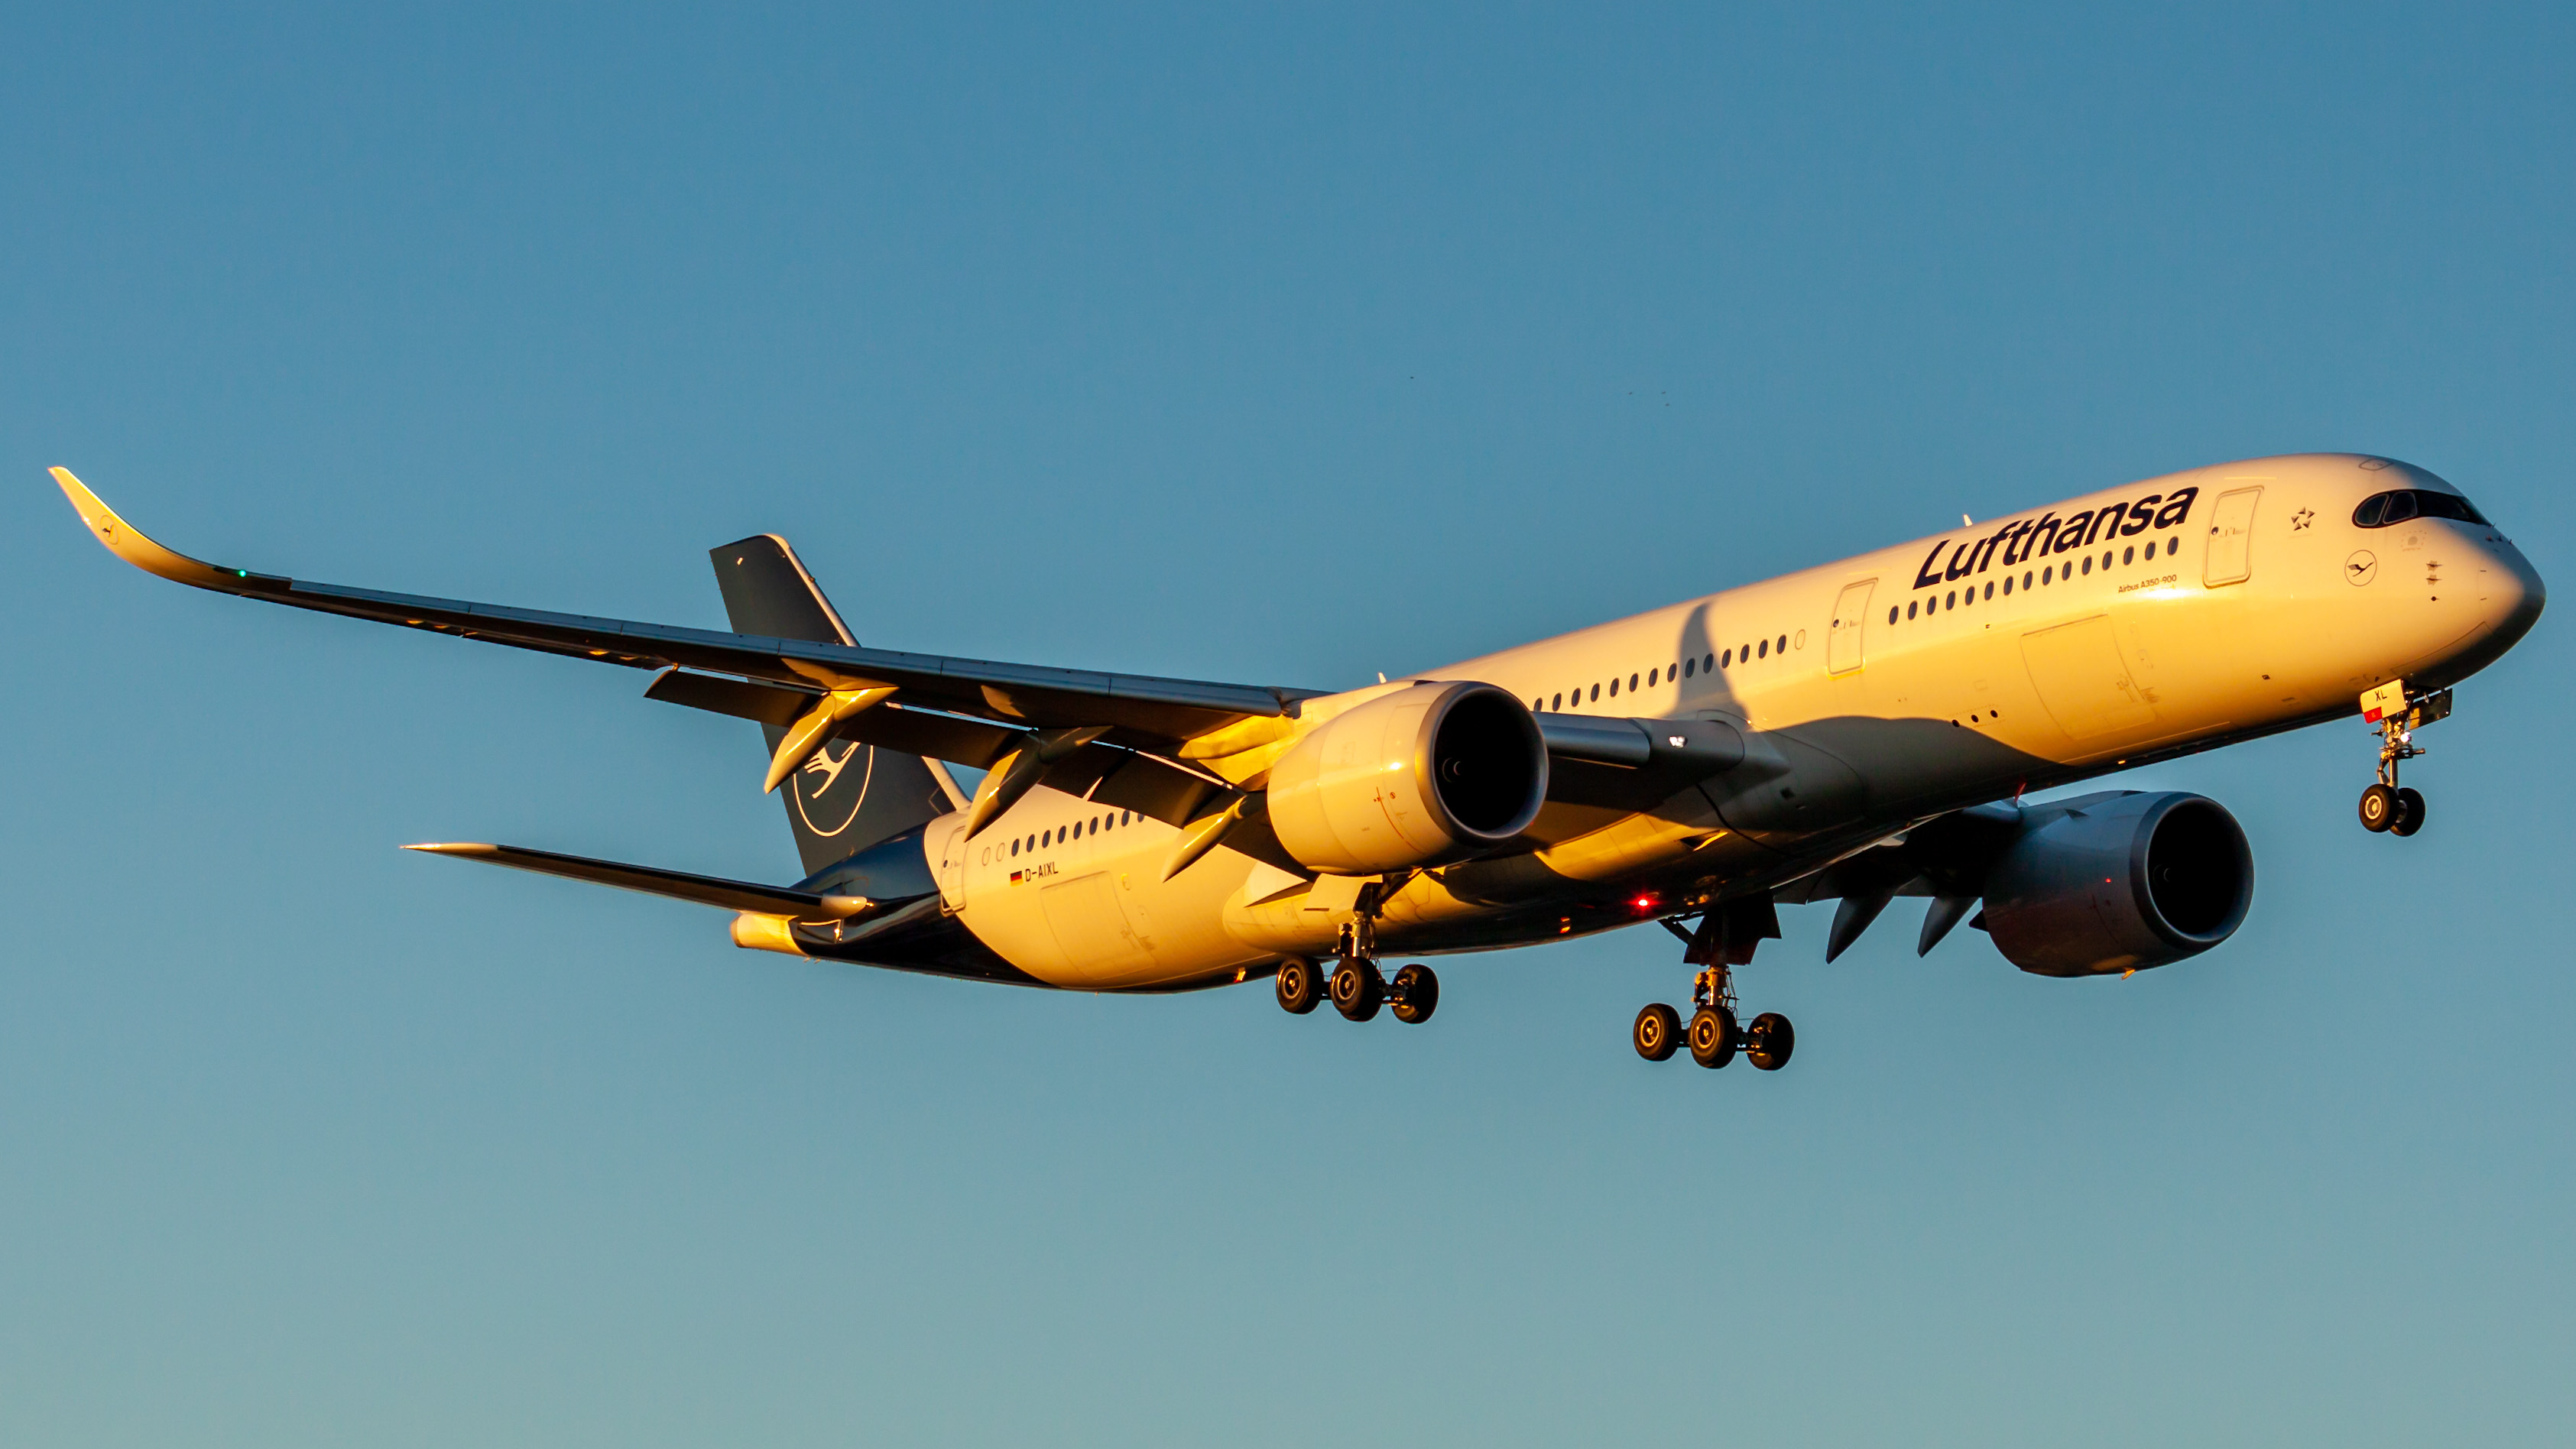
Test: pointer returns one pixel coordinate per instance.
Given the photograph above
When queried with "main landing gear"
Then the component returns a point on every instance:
(1724, 940)
(1356, 988)
(2386, 805)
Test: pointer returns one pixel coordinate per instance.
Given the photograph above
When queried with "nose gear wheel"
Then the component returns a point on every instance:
(2388, 807)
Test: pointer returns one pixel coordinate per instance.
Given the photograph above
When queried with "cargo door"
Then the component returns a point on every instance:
(1842, 638)
(2083, 679)
(1088, 924)
(2231, 538)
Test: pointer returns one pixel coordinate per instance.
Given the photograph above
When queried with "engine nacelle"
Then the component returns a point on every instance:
(2120, 883)
(1422, 776)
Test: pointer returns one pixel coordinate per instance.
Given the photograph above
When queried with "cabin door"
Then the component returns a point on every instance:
(1851, 615)
(2231, 538)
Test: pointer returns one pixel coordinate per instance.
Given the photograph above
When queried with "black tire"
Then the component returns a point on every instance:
(1657, 1033)
(1300, 985)
(1768, 1042)
(1713, 1036)
(2410, 812)
(2378, 808)
(1416, 995)
(1358, 990)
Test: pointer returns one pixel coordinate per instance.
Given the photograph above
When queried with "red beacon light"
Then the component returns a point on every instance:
(1644, 905)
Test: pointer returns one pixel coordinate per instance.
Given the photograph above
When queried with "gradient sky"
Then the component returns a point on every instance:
(1281, 346)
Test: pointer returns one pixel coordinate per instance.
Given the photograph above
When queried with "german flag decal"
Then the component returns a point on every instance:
(1018, 876)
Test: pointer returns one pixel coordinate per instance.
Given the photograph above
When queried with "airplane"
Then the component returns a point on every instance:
(1853, 732)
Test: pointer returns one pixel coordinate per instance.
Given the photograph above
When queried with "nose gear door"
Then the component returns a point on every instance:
(2231, 538)
(1842, 640)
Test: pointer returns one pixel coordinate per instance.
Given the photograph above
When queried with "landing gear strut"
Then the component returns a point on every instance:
(1724, 940)
(2387, 805)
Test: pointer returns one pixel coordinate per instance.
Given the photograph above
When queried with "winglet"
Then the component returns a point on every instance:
(128, 543)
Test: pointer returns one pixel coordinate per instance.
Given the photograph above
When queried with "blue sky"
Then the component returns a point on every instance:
(1280, 345)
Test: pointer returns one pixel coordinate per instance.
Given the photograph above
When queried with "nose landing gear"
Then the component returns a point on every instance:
(1724, 940)
(2386, 805)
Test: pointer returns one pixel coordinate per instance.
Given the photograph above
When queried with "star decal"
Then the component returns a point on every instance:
(2302, 519)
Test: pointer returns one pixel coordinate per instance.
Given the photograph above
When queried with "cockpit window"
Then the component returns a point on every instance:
(2382, 509)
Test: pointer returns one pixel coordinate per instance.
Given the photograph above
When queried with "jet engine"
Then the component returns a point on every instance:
(2120, 883)
(1421, 776)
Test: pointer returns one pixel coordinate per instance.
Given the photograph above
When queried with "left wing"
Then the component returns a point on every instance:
(1135, 710)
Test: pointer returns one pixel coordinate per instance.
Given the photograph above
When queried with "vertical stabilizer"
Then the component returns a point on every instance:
(849, 796)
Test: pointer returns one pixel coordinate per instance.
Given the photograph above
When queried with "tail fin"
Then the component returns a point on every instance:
(849, 796)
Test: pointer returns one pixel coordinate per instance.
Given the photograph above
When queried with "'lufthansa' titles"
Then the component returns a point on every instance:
(2024, 539)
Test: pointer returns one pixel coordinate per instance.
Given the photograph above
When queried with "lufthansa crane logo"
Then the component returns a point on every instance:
(825, 800)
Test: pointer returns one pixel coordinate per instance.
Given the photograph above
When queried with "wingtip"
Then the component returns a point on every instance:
(454, 847)
(130, 543)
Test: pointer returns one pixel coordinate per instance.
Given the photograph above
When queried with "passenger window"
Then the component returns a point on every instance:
(1709, 663)
(1951, 602)
(1556, 702)
(1614, 689)
(1784, 643)
(1651, 677)
(2106, 558)
(1729, 659)
(1632, 684)
(2088, 563)
(1891, 613)
(2025, 578)
(1015, 847)
(2007, 586)
(2173, 545)
(1909, 608)
(2128, 556)
(1766, 650)
(1990, 591)
(1596, 691)
(2044, 574)
(1689, 667)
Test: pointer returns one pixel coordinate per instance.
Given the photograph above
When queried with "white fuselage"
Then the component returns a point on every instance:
(2212, 606)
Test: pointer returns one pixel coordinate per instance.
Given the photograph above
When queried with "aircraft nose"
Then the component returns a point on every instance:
(2516, 594)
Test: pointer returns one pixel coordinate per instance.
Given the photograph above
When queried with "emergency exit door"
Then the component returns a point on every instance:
(1842, 639)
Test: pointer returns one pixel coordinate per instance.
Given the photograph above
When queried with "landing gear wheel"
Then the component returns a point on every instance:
(2410, 812)
(1713, 1036)
(1300, 986)
(1416, 995)
(1768, 1042)
(2378, 808)
(1358, 990)
(1657, 1032)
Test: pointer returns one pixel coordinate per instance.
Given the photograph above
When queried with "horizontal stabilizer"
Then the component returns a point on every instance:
(706, 890)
